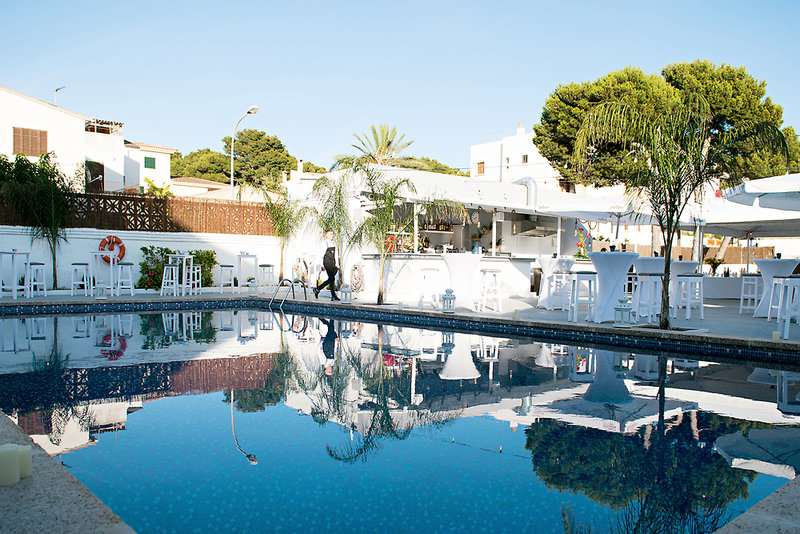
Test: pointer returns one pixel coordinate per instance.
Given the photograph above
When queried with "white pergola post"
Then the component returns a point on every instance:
(494, 233)
(558, 238)
(416, 228)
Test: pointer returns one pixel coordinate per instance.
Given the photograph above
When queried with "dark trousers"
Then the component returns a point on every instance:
(331, 270)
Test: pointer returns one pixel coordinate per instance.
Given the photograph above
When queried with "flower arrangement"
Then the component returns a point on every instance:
(583, 237)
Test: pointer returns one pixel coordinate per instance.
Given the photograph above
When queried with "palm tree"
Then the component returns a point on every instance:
(334, 209)
(683, 154)
(288, 216)
(391, 214)
(41, 197)
(381, 148)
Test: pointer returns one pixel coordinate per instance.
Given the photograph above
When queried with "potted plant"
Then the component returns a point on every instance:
(714, 263)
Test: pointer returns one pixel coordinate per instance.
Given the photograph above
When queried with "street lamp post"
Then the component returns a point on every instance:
(252, 111)
(55, 94)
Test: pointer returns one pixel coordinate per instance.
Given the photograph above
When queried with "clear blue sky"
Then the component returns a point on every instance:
(448, 74)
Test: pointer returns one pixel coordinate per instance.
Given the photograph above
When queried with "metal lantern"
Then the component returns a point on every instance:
(100, 291)
(347, 294)
(622, 314)
(447, 343)
(448, 301)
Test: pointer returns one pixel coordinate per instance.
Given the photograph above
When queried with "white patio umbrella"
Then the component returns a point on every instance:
(778, 192)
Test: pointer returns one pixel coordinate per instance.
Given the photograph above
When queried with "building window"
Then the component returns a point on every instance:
(30, 142)
(149, 163)
(480, 168)
(524, 158)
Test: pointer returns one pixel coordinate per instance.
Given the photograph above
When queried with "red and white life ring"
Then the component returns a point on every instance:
(114, 352)
(111, 243)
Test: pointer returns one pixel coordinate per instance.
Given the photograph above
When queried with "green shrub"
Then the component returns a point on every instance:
(207, 260)
(152, 267)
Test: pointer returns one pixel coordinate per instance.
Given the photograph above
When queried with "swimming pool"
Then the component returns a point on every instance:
(339, 425)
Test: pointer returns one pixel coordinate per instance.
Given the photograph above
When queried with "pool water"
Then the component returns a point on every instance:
(340, 426)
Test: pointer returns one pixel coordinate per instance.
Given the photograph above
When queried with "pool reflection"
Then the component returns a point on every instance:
(634, 432)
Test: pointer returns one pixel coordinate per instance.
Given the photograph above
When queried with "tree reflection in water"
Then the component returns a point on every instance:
(382, 409)
(665, 478)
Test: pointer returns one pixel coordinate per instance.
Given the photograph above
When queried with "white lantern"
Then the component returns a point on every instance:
(622, 314)
(448, 301)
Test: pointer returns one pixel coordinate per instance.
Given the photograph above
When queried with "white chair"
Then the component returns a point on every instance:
(647, 297)
(748, 299)
(690, 294)
(36, 279)
(225, 277)
(170, 282)
(576, 298)
(124, 277)
(558, 284)
(80, 276)
(490, 290)
(427, 287)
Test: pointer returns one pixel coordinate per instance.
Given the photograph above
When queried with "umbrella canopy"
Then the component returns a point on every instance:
(723, 217)
(778, 192)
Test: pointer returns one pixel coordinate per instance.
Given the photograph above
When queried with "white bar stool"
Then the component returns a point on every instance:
(195, 279)
(490, 290)
(124, 277)
(266, 275)
(225, 272)
(427, 287)
(170, 282)
(647, 297)
(575, 299)
(790, 297)
(748, 299)
(37, 278)
(80, 276)
(690, 293)
(775, 296)
(558, 284)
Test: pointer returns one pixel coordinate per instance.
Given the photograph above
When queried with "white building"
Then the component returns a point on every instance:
(510, 159)
(93, 150)
(143, 160)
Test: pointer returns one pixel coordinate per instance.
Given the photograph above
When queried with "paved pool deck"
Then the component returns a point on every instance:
(53, 500)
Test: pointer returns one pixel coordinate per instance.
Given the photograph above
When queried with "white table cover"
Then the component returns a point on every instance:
(612, 273)
(769, 270)
(462, 270)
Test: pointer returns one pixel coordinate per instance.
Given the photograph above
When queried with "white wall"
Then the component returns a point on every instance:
(65, 130)
(81, 241)
(503, 160)
(108, 150)
(135, 173)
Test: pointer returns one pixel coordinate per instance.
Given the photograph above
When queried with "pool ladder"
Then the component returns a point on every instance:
(301, 328)
(291, 284)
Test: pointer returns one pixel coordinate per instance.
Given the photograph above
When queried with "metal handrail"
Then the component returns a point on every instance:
(291, 283)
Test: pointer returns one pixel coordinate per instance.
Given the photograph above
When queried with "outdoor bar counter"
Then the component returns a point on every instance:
(403, 276)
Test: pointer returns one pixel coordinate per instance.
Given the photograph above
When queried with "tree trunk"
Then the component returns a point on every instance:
(723, 246)
(663, 322)
(380, 278)
(55, 270)
(280, 271)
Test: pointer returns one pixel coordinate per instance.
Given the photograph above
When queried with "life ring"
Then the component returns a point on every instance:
(109, 243)
(114, 353)
(356, 279)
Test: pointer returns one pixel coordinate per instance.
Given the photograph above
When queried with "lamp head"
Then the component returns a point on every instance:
(253, 110)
